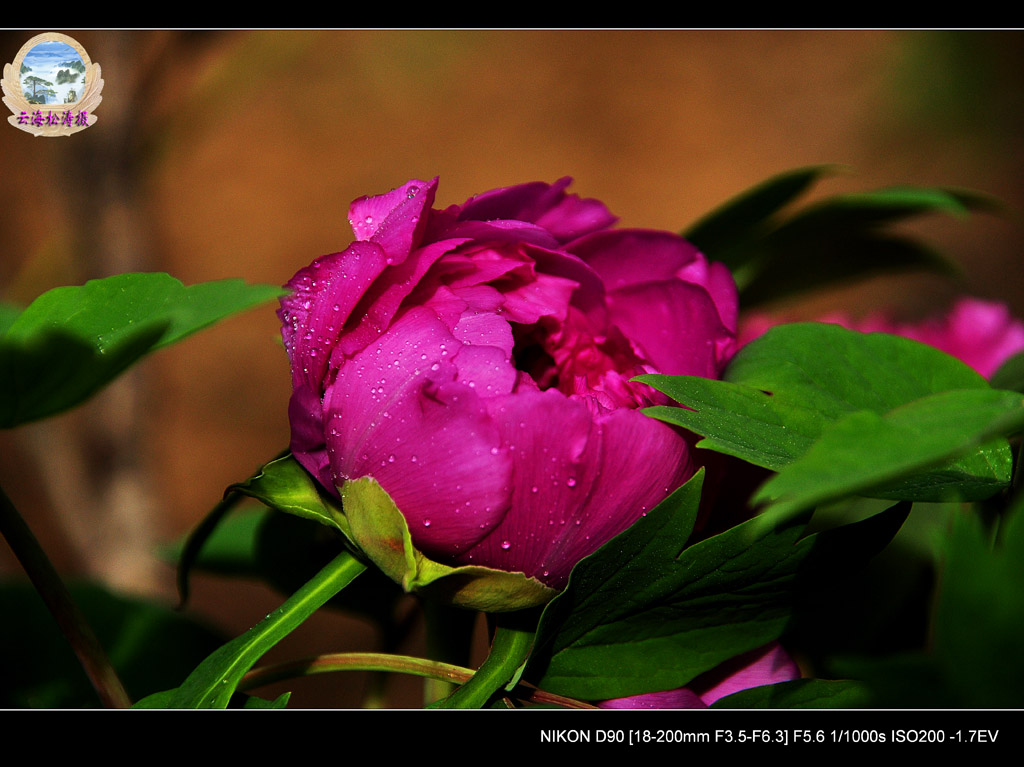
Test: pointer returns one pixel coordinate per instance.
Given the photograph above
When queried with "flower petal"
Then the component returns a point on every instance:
(766, 665)
(398, 413)
(681, 698)
(395, 220)
(579, 479)
(564, 216)
(322, 298)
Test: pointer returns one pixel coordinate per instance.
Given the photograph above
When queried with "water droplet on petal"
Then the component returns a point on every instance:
(426, 523)
(506, 545)
(571, 482)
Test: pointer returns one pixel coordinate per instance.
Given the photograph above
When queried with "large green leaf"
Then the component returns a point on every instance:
(785, 389)
(648, 613)
(72, 341)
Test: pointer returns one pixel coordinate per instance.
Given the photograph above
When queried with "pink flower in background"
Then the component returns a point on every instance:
(766, 665)
(476, 362)
(983, 334)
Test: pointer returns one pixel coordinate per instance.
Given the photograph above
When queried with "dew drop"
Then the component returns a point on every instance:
(506, 545)
(571, 482)
(534, 489)
(426, 523)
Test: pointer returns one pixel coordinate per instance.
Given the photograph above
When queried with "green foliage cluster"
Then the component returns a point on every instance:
(851, 444)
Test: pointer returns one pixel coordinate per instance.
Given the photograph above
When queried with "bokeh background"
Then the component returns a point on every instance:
(236, 153)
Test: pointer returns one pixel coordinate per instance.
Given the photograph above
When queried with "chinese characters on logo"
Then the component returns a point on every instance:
(54, 118)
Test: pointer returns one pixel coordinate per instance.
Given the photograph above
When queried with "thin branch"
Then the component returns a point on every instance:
(55, 594)
(402, 664)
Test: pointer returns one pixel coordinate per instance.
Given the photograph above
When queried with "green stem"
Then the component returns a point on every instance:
(216, 678)
(382, 662)
(509, 650)
(55, 594)
(449, 640)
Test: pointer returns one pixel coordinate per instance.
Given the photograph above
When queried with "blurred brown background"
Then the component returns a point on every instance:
(235, 154)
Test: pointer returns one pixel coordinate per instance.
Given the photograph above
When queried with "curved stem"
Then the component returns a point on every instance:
(509, 650)
(55, 594)
(401, 664)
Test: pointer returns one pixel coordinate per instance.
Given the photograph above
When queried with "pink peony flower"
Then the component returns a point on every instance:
(766, 665)
(476, 362)
(983, 334)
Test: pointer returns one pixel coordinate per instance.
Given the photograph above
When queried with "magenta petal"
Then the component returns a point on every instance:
(322, 298)
(681, 698)
(982, 334)
(579, 479)
(766, 665)
(398, 414)
(305, 412)
(673, 325)
(564, 216)
(395, 220)
(624, 257)
(383, 299)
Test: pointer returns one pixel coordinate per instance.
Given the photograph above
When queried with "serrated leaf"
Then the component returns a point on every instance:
(71, 341)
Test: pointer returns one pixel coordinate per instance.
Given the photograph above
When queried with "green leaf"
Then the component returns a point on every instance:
(281, 701)
(975, 659)
(214, 681)
(978, 621)
(72, 341)
(647, 613)
(838, 239)
(809, 260)
(864, 453)
(800, 693)
(1010, 374)
(785, 389)
(723, 234)
(229, 548)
